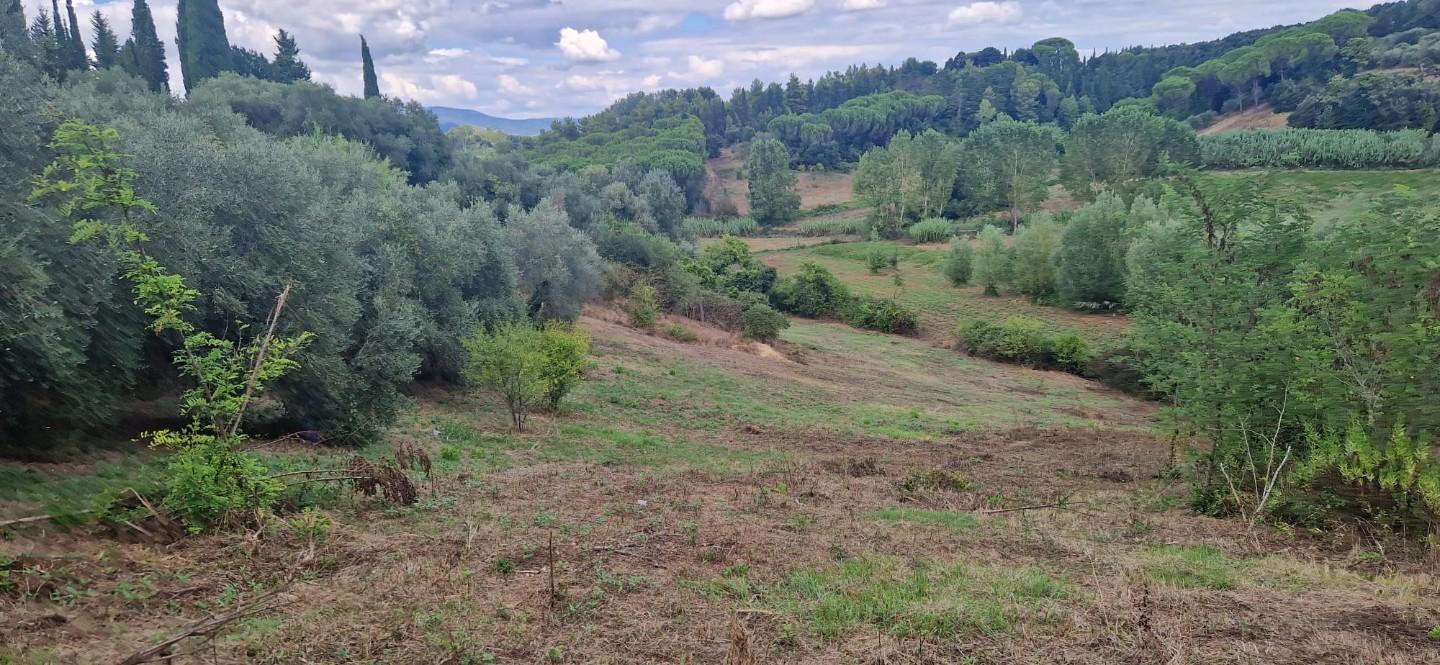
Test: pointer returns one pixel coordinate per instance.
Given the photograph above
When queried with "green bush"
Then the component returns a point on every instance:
(680, 333)
(814, 293)
(884, 315)
(876, 258)
(1024, 341)
(529, 366)
(762, 323)
(643, 308)
(930, 230)
(207, 482)
(567, 351)
(958, 261)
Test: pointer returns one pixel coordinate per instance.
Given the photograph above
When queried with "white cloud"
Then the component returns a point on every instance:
(651, 81)
(705, 68)
(583, 82)
(861, 5)
(585, 45)
(653, 22)
(508, 61)
(744, 10)
(794, 56)
(977, 13)
(448, 52)
(428, 89)
(512, 86)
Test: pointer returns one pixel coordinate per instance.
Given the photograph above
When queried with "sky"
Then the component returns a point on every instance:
(538, 58)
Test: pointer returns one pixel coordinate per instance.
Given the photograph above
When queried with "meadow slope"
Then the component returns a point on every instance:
(854, 497)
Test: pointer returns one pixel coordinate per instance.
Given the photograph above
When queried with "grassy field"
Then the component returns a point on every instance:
(695, 502)
(941, 307)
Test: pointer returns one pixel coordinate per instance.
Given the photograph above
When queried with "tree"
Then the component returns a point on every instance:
(911, 178)
(559, 268)
(665, 200)
(49, 55)
(1007, 164)
(1121, 148)
(959, 260)
(287, 66)
(144, 53)
(1173, 95)
(14, 31)
(1034, 248)
(510, 359)
(1091, 257)
(200, 36)
(991, 262)
(75, 57)
(367, 66)
(106, 45)
(772, 184)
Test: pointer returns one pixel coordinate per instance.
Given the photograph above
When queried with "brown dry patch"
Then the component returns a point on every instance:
(814, 187)
(1257, 117)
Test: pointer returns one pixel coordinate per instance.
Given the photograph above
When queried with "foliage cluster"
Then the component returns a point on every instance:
(530, 367)
(1025, 342)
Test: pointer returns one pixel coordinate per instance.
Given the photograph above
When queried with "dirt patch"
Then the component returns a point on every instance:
(1258, 117)
(724, 182)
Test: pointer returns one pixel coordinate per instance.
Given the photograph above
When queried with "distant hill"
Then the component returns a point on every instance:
(450, 118)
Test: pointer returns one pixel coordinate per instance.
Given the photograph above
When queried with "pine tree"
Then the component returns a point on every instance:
(144, 54)
(287, 67)
(14, 33)
(49, 56)
(106, 44)
(372, 85)
(75, 57)
(200, 36)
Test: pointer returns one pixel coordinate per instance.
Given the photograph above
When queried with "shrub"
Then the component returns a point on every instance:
(567, 350)
(1024, 341)
(708, 227)
(958, 261)
(875, 256)
(680, 333)
(814, 292)
(763, 323)
(1201, 120)
(930, 230)
(643, 308)
(834, 227)
(991, 262)
(884, 315)
(527, 365)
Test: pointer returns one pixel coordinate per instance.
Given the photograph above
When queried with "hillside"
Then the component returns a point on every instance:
(843, 503)
(450, 118)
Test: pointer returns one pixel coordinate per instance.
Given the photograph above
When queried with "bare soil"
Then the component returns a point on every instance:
(1256, 117)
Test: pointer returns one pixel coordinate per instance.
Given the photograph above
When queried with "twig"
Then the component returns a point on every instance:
(43, 518)
(206, 627)
(259, 360)
(1057, 504)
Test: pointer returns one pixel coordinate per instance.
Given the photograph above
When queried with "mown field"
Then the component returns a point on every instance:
(847, 502)
(940, 306)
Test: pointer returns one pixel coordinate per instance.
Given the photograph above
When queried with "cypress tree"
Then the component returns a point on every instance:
(106, 45)
(372, 85)
(144, 52)
(75, 44)
(14, 35)
(57, 30)
(287, 67)
(200, 36)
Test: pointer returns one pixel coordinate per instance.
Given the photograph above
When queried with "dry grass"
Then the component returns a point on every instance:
(1255, 117)
(707, 505)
